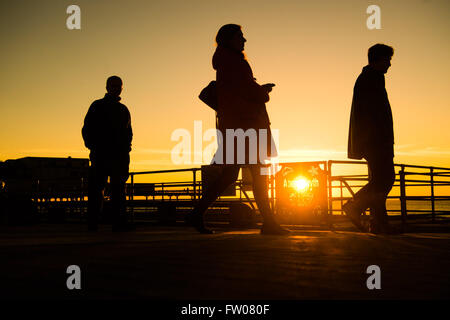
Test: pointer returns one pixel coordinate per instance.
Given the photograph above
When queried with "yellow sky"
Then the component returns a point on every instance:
(312, 50)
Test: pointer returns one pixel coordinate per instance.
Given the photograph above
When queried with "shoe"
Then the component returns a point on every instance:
(384, 228)
(193, 219)
(203, 230)
(353, 214)
(199, 225)
(273, 228)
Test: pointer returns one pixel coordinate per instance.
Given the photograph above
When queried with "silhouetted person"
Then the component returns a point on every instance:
(371, 136)
(241, 105)
(107, 134)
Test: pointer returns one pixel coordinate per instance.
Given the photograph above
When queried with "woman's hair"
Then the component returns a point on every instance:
(226, 33)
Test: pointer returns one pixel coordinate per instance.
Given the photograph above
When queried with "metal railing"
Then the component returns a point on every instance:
(408, 178)
(191, 190)
(163, 186)
(340, 187)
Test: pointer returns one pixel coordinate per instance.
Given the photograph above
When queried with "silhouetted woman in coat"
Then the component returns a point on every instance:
(241, 105)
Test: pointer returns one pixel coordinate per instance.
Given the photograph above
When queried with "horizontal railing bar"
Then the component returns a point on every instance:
(360, 178)
(348, 177)
(409, 210)
(407, 173)
(346, 162)
(352, 179)
(425, 184)
(172, 184)
(396, 164)
(398, 180)
(420, 167)
(411, 198)
(164, 171)
(197, 169)
(420, 184)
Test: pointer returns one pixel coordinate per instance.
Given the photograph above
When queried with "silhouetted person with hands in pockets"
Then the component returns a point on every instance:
(371, 136)
(241, 106)
(107, 134)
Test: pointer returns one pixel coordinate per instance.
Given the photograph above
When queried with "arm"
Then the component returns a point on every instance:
(238, 76)
(88, 127)
(129, 132)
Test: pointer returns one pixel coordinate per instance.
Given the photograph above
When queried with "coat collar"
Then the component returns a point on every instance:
(111, 97)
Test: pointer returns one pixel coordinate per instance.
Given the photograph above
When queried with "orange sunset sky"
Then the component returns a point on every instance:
(312, 50)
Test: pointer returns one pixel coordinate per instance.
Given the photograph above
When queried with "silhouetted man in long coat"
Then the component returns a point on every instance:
(371, 136)
(107, 134)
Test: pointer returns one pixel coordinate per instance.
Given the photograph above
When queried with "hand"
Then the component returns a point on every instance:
(268, 86)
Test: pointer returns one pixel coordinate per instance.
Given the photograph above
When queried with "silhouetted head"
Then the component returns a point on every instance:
(230, 36)
(380, 57)
(114, 86)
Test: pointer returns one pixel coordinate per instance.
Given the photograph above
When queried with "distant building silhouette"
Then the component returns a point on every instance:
(28, 180)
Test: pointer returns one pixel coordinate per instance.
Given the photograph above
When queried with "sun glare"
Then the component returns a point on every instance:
(301, 184)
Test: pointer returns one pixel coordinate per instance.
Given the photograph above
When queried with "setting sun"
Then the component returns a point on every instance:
(301, 184)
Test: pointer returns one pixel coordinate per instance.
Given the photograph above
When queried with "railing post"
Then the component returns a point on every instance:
(240, 191)
(432, 194)
(132, 198)
(330, 189)
(342, 194)
(270, 179)
(403, 194)
(195, 184)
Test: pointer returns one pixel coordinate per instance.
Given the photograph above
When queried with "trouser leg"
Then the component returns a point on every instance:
(119, 176)
(260, 189)
(227, 176)
(383, 179)
(118, 200)
(378, 212)
(363, 198)
(97, 181)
